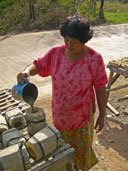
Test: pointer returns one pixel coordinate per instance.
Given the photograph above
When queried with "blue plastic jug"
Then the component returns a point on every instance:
(25, 92)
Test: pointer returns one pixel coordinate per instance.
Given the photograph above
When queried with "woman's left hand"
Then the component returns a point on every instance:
(99, 124)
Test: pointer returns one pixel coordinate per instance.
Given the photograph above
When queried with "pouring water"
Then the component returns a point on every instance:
(26, 92)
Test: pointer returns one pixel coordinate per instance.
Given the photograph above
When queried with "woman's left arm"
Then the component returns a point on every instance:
(101, 100)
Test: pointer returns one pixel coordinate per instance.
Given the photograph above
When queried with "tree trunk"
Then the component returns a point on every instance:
(94, 7)
(31, 9)
(101, 14)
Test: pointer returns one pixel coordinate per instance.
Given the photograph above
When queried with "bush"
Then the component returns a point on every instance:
(16, 18)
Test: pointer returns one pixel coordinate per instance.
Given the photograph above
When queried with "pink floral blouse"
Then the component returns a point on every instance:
(73, 85)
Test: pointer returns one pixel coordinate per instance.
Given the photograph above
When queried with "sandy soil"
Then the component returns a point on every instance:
(17, 51)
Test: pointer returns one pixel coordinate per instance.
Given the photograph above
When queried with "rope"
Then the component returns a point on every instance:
(39, 146)
(22, 156)
(55, 135)
(1, 167)
(14, 139)
(9, 130)
(14, 116)
(35, 122)
(3, 124)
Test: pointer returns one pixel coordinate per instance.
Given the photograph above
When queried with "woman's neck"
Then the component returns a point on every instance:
(76, 56)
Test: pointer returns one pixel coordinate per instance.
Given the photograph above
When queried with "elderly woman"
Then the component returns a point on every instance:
(78, 74)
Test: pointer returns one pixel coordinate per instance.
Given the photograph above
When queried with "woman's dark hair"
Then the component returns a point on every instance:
(77, 27)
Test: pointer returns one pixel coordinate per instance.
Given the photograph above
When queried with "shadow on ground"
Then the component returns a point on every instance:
(115, 136)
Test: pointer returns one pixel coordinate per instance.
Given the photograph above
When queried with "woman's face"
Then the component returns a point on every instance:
(73, 45)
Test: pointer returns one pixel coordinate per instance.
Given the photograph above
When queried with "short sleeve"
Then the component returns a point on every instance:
(100, 79)
(44, 64)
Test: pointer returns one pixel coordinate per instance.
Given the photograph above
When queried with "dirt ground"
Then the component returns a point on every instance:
(17, 51)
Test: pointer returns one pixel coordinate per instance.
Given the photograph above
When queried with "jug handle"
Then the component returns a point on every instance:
(25, 80)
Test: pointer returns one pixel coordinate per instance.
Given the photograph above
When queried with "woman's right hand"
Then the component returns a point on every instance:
(22, 75)
(30, 70)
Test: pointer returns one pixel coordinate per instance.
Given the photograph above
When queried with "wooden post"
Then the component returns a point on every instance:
(109, 84)
(118, 87)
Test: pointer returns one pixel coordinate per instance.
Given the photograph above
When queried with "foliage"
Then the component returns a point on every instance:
(116, 18)
(15, 14)
(115, 6)
(5, 3)
(14, 20)
(116, 12)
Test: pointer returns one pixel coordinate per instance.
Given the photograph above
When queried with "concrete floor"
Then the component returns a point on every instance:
(17, 51)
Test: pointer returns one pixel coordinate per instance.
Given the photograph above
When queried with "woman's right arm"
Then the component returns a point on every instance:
(29, 71)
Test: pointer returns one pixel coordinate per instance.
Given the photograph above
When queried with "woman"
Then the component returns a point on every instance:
(78, 73)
